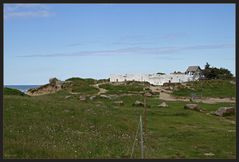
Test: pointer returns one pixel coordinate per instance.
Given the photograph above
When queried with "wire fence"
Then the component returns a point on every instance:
(138, 132)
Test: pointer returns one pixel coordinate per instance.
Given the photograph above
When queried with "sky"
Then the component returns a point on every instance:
(43, 41)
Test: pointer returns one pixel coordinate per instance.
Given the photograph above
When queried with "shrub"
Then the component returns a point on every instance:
(10, 91)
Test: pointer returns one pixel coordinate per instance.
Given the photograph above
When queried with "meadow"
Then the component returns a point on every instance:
(53, 126)
(208, 88)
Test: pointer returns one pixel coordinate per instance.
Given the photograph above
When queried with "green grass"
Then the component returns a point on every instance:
(10, 91)
(83, 86)
(129, 87)
(208, 88)
(51, 126)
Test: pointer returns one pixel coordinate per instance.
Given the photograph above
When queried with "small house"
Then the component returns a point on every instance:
(191, 70)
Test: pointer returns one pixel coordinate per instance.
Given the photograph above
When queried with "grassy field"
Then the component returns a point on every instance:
(83, 85)
(51, 126)
(127, 87)
(208, 88)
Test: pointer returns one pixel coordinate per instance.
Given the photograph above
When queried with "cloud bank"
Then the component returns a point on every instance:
(26, 10)
(135, 51)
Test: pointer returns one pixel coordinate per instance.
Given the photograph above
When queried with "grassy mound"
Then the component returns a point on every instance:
(83, 86)
(208, 88)
(128, 87)
(11, 91)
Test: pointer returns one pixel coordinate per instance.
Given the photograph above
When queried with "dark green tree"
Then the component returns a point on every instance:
(216, 73)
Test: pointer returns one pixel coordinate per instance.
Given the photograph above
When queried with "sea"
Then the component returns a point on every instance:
(22, 88)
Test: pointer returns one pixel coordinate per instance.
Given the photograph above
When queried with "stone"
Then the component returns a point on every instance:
(209, 154)
(98, 105)
(66, 97)
(82, 98)
(224, 111)
(119, 102)
(106, 97)
(192, 107)
(163, 104)
(148, 94)
(138, 103)
(92, 97)
(55, 82)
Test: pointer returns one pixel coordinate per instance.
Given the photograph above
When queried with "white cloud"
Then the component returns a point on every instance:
(137, 50)
(26, 10)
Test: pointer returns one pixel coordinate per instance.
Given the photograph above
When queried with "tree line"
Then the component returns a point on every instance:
(216, 73)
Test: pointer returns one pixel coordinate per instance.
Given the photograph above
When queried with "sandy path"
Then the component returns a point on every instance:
(101, 90)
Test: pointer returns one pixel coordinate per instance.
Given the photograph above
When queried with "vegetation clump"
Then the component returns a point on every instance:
(11, 91)
(207, 88)
(129, 87)
(216, 73)
(83, 85)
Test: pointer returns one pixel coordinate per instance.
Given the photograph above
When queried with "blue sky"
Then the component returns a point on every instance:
(42, 41)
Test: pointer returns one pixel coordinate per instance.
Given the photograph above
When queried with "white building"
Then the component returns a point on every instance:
(191, 74)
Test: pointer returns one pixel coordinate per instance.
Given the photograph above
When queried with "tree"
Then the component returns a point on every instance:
(207, 66)
(216, 73)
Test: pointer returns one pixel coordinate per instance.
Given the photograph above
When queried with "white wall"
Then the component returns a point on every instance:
(154, 79)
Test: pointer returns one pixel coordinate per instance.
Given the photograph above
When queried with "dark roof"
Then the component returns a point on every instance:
(193, 68)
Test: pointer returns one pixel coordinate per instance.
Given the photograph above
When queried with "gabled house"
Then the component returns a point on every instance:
(191, 70)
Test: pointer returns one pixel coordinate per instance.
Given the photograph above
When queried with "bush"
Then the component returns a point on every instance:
(216, 73)
(10, 91)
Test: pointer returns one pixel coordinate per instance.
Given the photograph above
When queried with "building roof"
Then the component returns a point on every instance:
(193, 68)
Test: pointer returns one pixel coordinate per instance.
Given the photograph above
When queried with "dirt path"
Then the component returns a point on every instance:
(74, 93)
(101, 90)
(168, 97)
(211, 100)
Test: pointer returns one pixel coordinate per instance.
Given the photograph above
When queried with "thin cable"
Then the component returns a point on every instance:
(134, 140)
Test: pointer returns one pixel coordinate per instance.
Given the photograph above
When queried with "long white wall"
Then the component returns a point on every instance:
(155, 79)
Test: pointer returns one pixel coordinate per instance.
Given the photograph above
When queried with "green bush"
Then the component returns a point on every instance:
(10, 91)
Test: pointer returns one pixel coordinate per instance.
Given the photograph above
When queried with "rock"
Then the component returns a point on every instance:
(138, 103)
(55, 82)
(209, 154)
(119, 102)
(113, 96)
(53, 86)
(148, 94)
(82, 98)
(223, 111)
(163, 104)
(192, 107)
(104, 96)
(98, 105)
(92, 97)
(66, 97)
